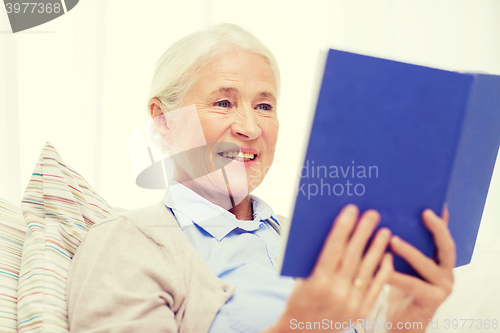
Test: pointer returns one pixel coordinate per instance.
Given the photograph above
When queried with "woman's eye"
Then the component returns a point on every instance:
(222, 104)
(265, 107)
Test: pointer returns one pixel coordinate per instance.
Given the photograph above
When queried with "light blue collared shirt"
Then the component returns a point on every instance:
(242, 253)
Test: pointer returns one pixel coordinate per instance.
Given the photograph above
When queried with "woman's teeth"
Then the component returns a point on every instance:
(234, 155)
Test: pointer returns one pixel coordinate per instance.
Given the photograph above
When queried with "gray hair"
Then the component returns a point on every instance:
(177, 67)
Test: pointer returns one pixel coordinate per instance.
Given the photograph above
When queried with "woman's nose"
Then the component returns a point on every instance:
(246, 124)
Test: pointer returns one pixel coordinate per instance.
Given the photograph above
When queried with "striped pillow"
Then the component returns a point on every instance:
(12, 231)
(59, 206)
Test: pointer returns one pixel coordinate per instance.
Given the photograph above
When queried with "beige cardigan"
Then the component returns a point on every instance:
(137, 272)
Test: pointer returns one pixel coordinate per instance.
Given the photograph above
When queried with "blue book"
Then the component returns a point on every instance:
(397, 138)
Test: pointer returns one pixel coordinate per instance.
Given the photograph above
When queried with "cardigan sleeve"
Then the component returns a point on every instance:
(116, 283)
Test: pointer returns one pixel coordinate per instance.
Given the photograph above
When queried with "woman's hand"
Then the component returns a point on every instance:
(412, 300)
(344, 283)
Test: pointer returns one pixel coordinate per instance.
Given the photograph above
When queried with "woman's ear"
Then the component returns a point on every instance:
(158, 114)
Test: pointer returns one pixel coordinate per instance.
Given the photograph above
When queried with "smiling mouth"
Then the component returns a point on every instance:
(238, 156)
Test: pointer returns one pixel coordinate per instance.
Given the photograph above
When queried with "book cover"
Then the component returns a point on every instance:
(397, 138)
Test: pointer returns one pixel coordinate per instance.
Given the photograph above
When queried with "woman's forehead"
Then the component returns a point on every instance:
(234, 91)
(236, 70)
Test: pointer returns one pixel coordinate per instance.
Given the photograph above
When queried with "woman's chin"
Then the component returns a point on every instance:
(231, 180)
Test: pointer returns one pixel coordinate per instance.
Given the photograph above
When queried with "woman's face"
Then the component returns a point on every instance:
(235, 97)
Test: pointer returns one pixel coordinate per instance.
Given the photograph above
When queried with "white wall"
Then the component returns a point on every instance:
(82, 80)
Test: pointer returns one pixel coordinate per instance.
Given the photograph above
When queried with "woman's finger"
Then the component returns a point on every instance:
(425, 266)
(445, 214)
(333, 248)
(445, 246)
(357, 243)
(411, 285)
(374, 255)
(382, 277)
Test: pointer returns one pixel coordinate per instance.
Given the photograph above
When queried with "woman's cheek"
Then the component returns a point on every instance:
(270, 132)
(211, 127)
(271, 124)
(214, 124)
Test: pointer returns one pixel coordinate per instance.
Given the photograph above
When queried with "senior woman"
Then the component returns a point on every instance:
(204, 259)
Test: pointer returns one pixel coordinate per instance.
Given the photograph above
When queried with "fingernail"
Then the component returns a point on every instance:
(428, 212)
(384, 232)
(373, 214)
(350, 208)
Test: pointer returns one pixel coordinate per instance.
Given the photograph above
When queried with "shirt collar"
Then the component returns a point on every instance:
(189, 207)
